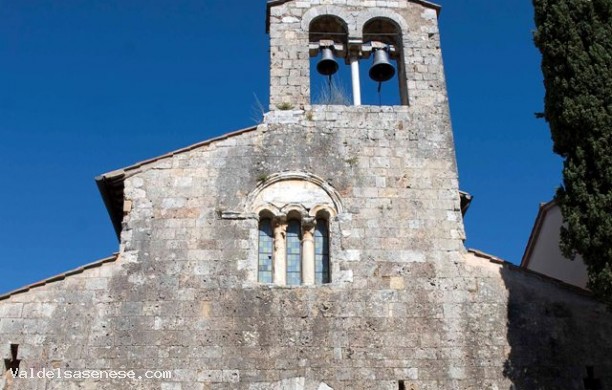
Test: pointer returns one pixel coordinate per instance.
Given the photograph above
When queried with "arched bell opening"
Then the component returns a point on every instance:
(328, 27)
(386, 75)
(329, 74)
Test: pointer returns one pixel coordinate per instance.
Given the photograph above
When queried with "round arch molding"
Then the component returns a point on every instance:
(381, 13)
(330, 10)
(302, 188)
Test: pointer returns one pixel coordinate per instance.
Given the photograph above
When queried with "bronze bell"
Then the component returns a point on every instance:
(327, 66)
(381, 69)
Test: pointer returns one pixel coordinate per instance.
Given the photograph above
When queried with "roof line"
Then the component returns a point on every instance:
(491, 258)
(62, 276)
(122, 171)
(514, 267)
(274, 3)
(270, 4)
(535, 232)
(110, 184)
(429, 4)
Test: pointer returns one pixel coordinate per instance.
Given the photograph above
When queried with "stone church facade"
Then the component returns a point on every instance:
(322, 249)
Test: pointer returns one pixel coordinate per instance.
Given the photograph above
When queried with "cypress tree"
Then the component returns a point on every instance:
(575, 39)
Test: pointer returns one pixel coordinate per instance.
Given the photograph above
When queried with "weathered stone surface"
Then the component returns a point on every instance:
(406, 302)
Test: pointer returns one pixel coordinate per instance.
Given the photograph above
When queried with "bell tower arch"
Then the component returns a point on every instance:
(392, 45)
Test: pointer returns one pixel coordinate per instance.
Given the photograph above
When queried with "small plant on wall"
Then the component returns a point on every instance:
(285, 106)
(262, 177)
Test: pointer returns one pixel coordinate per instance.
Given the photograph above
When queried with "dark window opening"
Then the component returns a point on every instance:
(294, 253)
(266, 249)
(322, 274)
(328, 27)
(591, 382)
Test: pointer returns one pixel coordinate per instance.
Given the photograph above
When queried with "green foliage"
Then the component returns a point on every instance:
(284, 106)
(262, 177)
(575, 38)
(352, 161)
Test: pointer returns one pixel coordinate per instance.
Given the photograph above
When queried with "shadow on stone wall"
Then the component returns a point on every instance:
(560, 337)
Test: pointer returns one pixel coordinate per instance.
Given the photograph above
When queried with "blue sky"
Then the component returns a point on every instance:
(88, 86)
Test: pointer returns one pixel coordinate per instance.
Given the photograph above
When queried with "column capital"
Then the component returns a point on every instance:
(280, 221)
(308, 223)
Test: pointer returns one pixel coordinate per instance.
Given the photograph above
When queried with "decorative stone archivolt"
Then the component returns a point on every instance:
(281, 191)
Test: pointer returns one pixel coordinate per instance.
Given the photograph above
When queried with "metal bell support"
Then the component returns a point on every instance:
(328, 65)
(381, 69)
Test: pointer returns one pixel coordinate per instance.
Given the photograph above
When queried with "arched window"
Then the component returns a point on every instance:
(295, 214)
(294, 253)
(321, 252)
(266, 250)
(294, 250)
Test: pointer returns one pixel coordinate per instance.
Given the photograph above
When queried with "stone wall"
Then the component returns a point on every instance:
(403, 305)
(182, 291)
(407, 307)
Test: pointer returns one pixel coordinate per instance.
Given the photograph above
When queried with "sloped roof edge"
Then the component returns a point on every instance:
(491, 258)
(209, 141)
(274, 3)
(61, 276)
(535, 232)
(466, 201)
(513, 267)
(110, 184)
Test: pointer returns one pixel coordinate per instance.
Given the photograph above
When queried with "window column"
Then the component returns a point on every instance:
(280, 251)
(308, 252)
